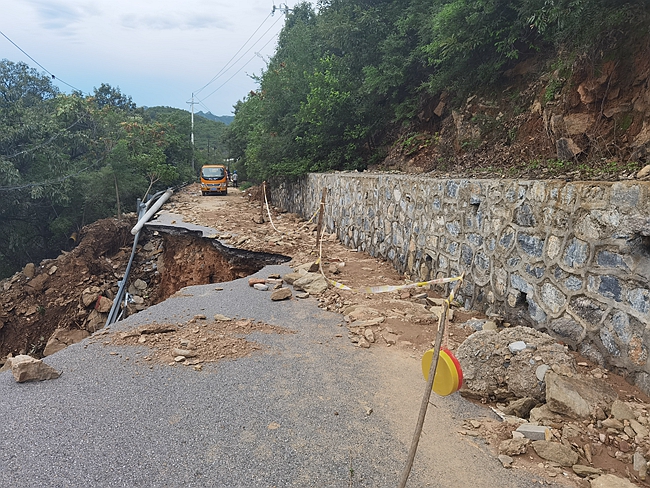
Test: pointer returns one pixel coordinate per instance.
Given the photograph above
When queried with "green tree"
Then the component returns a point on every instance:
(67, 160)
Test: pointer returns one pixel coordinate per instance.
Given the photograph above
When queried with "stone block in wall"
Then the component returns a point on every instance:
(553, 246)
(500, 281)
(535, 271)
(552, 297)
(608, 341)
(482, 262)
(625, 196)
(536, 312)
(622, 336)
(588, 310)
(513, 261)
(587, 228)
(519, 283)
(573, 283)
(639, 300)
(452, 188)
(507, 238)
(466, 256)
(576, 253)
(609, 259)
(607, 286)
(568, 329)
(524, 216)
(590, 351)
(530, 244)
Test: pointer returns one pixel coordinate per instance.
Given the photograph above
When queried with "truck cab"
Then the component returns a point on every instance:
(214, 179)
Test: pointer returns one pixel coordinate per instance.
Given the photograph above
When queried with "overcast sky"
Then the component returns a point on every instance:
(156, 51)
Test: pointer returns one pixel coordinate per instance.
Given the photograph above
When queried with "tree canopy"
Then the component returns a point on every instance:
(347, 73)
(68, 160)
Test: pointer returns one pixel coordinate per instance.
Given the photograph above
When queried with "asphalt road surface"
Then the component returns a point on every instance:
(308, 410)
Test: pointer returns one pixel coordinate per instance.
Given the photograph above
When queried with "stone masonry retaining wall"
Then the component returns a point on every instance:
(571, 259)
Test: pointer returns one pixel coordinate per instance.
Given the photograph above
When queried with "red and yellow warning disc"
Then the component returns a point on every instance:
(449, 375)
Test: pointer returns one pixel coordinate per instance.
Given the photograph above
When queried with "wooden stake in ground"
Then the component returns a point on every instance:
(319, 228)
(427, 392)
(262, 199)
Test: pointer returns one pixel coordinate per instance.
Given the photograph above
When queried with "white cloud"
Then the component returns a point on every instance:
(158, 52)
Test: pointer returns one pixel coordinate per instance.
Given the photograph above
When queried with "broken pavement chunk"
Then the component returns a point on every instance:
(534, 432)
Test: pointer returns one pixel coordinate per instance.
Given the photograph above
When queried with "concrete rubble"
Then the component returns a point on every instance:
(484, 354)
(576, 421)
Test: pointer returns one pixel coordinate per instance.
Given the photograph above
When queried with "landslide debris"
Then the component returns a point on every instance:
(192, 343)
(58, 302)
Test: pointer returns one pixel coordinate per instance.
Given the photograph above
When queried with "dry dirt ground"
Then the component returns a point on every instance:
(69, 294)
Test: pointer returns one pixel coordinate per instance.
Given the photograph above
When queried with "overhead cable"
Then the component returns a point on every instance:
(242, 67)
(48, 142)
(53, 182)
(234, 55)
(39, 64)
(229, 65)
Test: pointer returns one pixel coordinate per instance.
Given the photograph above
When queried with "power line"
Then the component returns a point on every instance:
(39, 64)
(242, 67)
(196, 92)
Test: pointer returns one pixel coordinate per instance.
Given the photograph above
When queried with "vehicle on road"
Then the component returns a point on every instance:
(214, 179)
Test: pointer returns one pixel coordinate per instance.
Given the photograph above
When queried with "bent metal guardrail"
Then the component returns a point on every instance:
(145, 212)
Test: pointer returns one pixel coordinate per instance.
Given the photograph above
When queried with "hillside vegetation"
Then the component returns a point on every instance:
(68, 160)
(519, 87)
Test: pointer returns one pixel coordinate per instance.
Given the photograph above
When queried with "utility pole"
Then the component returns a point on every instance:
(192, 132)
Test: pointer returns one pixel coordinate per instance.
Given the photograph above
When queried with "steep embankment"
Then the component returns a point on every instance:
(571, 118)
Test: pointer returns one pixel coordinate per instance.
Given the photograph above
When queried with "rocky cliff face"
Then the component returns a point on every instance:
(574, 119)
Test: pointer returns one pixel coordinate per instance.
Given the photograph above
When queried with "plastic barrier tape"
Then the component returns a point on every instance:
(389, 288)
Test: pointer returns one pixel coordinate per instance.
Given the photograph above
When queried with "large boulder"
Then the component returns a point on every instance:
(556, 453)
(493, 370)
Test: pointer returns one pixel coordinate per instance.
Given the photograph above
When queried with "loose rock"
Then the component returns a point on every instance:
(369, 335)
(506, 461)
(586, 471)
(491, 371)
(26, 368)
(312, 283)
(577, 397)
(521, 408)
(534, 432)
(621, 411)
(611, 481)
(62, 338)
(281, 294)
(555, 452)
(513, 447)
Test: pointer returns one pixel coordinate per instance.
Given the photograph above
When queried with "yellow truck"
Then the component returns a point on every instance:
(214, 179)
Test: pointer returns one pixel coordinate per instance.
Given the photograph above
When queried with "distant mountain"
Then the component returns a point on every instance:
(226, 119)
